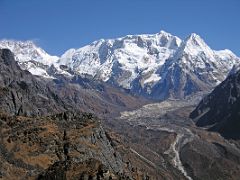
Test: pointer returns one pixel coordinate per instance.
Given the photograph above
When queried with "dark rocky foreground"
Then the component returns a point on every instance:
(63, 146)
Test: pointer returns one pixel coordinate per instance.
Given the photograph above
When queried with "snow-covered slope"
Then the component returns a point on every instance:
(194, 67)
(134, 54)
(29, 56)
(158, 66)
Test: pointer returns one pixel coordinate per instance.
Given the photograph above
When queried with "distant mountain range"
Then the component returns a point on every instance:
(157, 66)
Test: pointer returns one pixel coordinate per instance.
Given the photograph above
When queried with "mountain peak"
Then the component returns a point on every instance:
(165, 33)
(9, 43)
(195, 39)
(194, 35)
(194, 45)
(29, 56)
(27, 51)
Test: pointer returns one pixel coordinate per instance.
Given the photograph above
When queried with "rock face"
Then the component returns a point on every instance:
(220, 110)
(67, 146)
(21, 93)
(157, 66)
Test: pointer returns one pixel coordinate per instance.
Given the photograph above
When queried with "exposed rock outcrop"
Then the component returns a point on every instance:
(220, 110)
(67, 145)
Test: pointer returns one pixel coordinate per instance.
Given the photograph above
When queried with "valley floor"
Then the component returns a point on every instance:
(166, 144)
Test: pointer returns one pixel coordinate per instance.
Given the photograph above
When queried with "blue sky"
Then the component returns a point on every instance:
(57, 25)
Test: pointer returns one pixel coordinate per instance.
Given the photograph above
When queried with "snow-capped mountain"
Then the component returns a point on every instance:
(29, 56)
(126, 57)
(157, 66)
(194, 67)
(34, 59)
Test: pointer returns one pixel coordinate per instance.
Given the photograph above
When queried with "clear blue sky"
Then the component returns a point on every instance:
(57, 25)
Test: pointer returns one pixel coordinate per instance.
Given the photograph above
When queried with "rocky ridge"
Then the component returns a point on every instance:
(220, 110)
